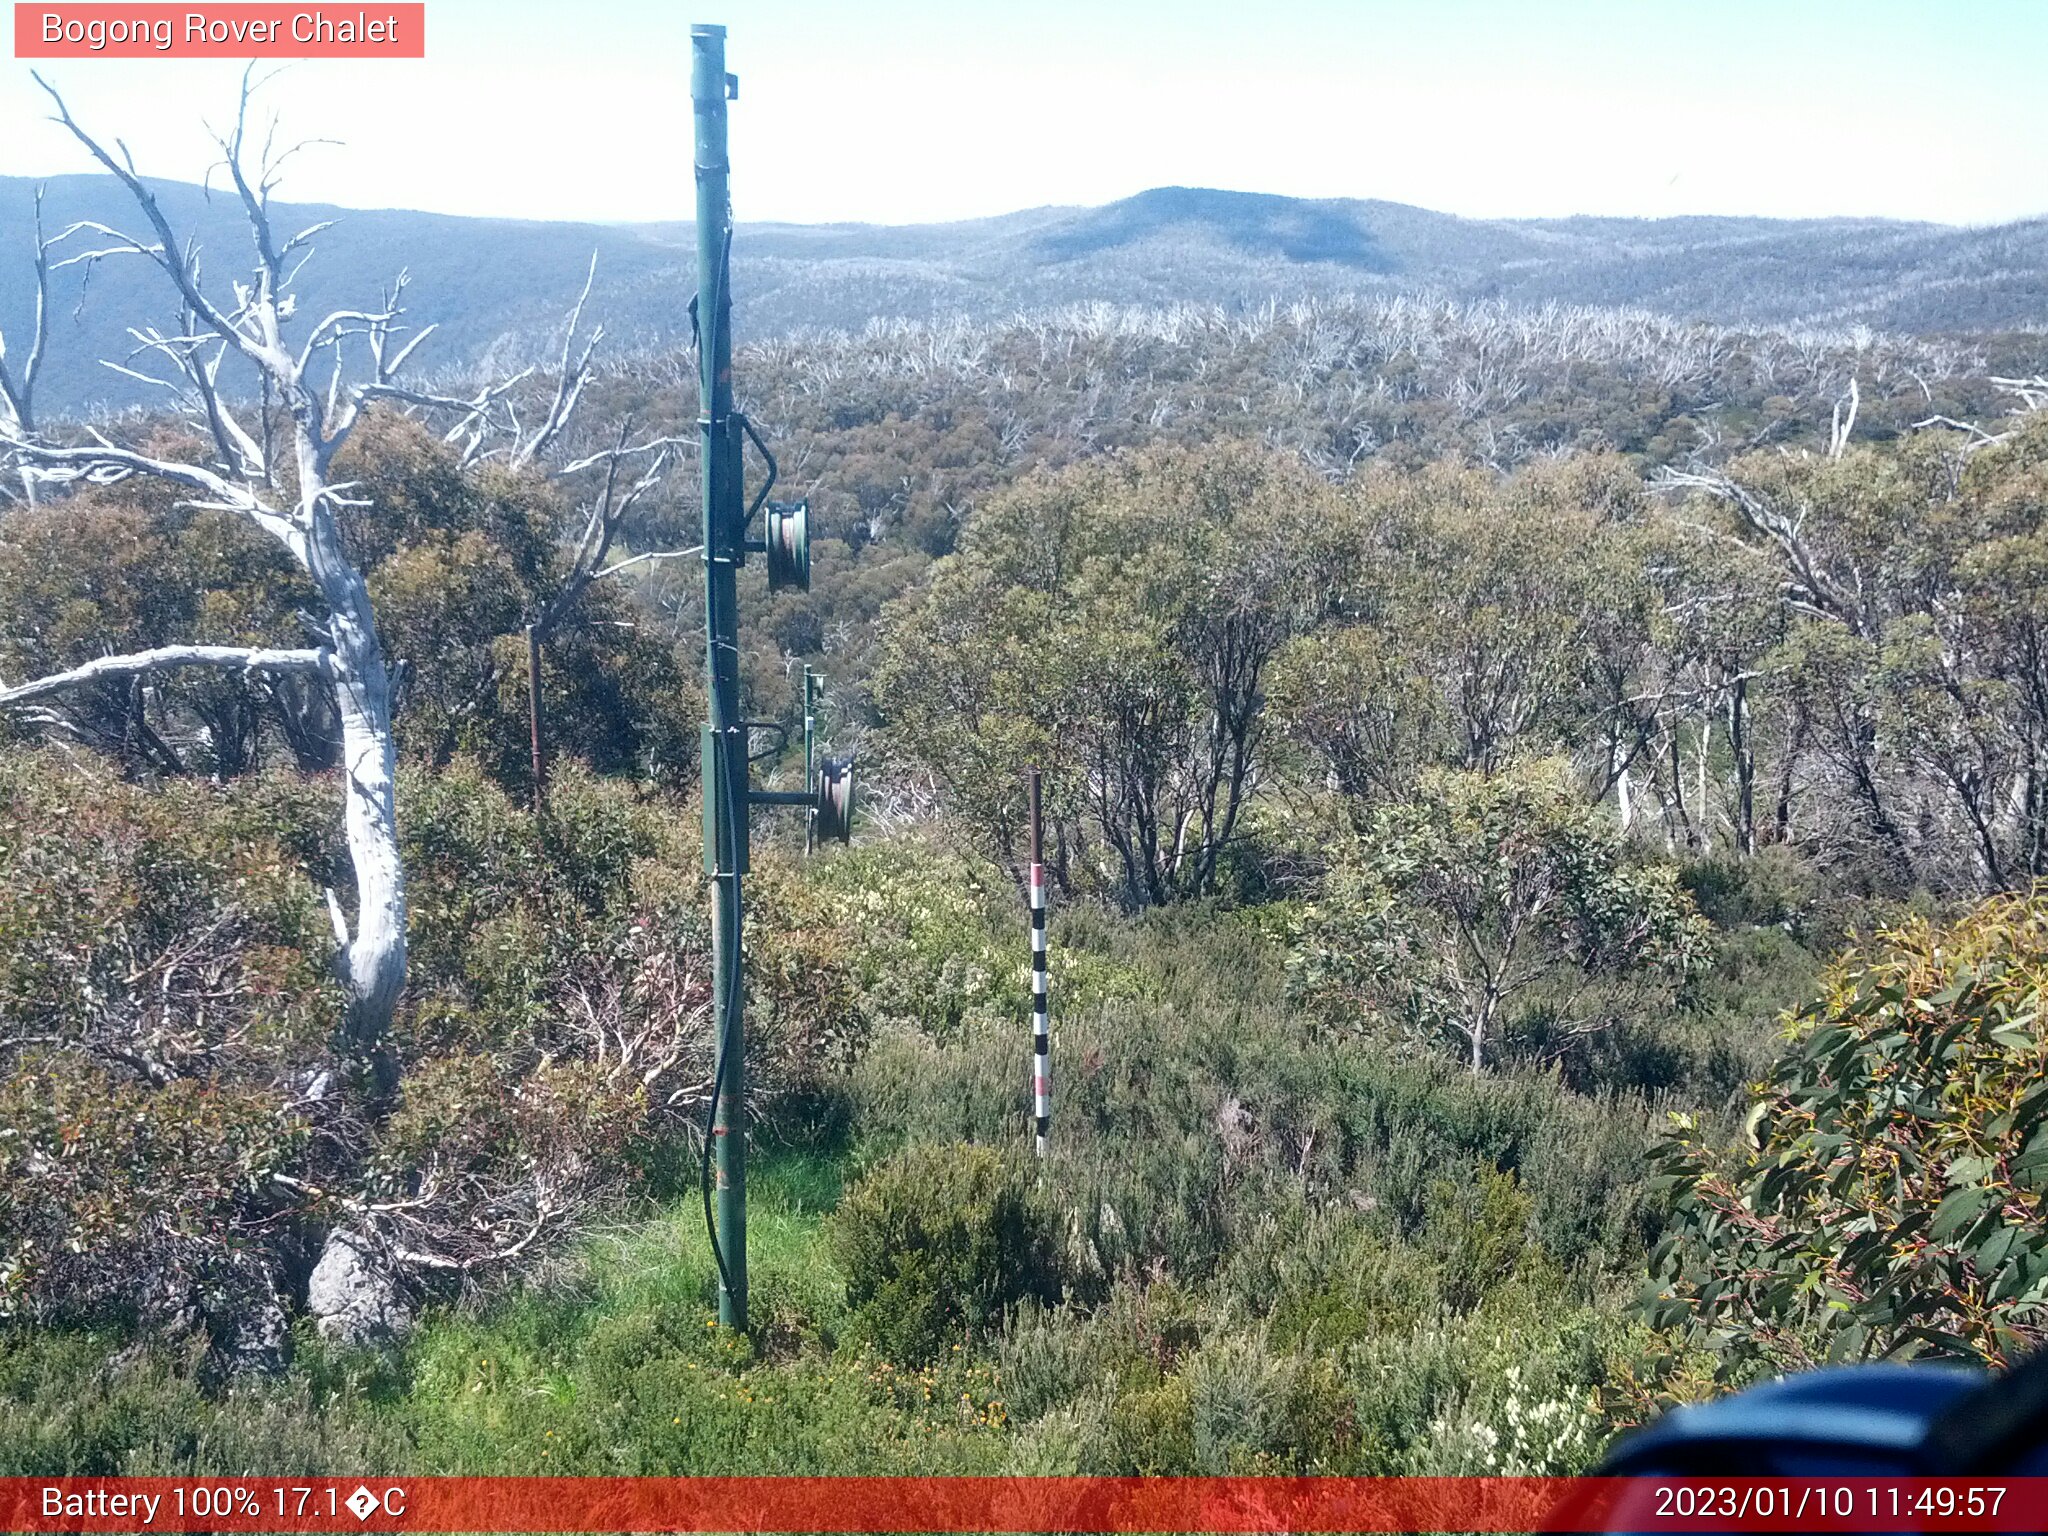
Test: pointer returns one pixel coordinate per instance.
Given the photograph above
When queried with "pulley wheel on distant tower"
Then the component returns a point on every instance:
(789, 546)
(835, 799)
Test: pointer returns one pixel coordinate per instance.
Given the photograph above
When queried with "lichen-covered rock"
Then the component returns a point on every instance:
(260, 1340)
(354, 1297)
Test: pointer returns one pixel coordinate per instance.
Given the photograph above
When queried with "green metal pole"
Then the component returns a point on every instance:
(725, 750)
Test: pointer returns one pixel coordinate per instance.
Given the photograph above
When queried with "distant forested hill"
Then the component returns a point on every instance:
(497, 287)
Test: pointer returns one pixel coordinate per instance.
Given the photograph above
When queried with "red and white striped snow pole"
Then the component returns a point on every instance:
(1041, 1020)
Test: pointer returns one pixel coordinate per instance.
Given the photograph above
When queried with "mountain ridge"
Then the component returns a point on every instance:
(498, 287)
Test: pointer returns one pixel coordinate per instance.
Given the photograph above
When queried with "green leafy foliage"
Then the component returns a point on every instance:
(161, 980)
(179, 1124)
(1373, 1264)
(456, 562)
(1351, 743)
(1882, 1198)
(932, 933)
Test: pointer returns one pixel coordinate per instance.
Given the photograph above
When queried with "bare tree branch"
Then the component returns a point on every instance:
(569, 380)
(651, 555)
(1784, 532)
(1842, 425)
(234, 658)
(1979, 438)
(372, 960)
(359, 352)
(473, 424)
(2031, 393)
(605, 514)
(247, 337)
(101, 463)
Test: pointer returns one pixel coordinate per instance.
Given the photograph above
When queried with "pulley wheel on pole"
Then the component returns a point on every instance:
(789, 546)
(835, 799)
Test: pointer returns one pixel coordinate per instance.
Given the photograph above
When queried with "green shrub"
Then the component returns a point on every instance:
(1152, 1430)
(1238, 1392)
(1068, 1441)
(928, 940)
(178, 1124)
(119, 1200)
(128, 913)
(1884, 1197)
(162, 982)
(1523, 1385)
(1772, 887)
(1780, 887)
(1477, 1229)
(1345, 1280)
(937, 1243)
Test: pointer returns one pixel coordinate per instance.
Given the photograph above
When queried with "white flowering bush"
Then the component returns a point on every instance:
(1528, 1437)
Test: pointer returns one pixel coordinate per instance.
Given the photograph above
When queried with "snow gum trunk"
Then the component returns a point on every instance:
(373, 958)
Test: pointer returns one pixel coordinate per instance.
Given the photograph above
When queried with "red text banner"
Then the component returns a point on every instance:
(1022, 1504)
(239, 31)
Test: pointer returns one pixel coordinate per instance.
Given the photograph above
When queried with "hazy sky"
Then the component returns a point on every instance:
(916, 110)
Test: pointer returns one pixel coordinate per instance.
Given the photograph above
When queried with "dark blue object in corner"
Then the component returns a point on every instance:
(1865, 1420)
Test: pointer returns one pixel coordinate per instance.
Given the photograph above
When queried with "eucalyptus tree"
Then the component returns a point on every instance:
(1903, 663)
(1116, 623)
(288, 495)
(1493, 911)
(18, 376)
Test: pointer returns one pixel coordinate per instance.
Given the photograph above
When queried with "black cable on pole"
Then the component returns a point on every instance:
(732, 1001)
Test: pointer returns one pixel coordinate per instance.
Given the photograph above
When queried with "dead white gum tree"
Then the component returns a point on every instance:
(287, 488)
(18, 380)
(296, 504)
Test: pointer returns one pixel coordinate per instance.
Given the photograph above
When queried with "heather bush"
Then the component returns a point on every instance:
(164, 998)
(937, 1243)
